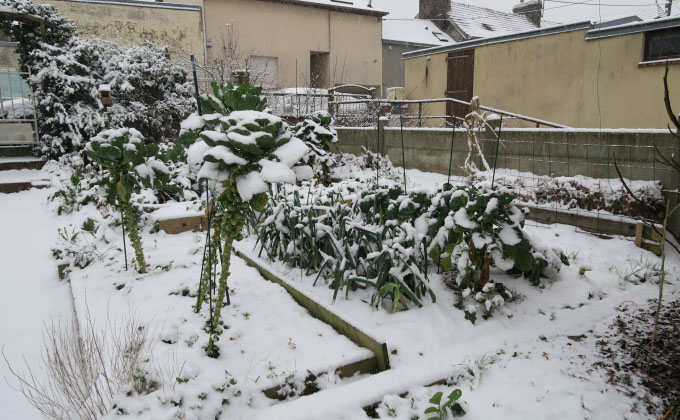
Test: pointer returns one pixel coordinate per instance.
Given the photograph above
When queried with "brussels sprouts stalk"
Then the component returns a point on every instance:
(133, 233)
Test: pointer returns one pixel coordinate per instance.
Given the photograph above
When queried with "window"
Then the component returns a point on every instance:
(660, 45)
(264, 71)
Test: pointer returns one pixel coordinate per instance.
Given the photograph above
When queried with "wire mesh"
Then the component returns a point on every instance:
(17, 107)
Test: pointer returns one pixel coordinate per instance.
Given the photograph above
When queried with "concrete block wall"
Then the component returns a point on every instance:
(554, 152)
(540, 151)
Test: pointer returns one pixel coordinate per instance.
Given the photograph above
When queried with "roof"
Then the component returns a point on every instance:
(480, 22)
(501, 38)
(417, 32)
(633, 27)
(349, 6)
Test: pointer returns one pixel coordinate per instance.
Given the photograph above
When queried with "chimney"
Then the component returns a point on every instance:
(432, 9)
(533, 9)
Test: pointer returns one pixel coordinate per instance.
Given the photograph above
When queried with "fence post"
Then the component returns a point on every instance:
(382, 123)
(420, 114)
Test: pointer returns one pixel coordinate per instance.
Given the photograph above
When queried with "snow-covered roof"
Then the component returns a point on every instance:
(352, 6)
(480, 22)
(419, 32)
(604, 30)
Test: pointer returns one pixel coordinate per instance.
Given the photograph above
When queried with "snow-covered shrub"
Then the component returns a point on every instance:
(317, 133)
(130, 164)
(245, 153)
(65, 83)
(474, 228)
(149, 93)
(79, 191)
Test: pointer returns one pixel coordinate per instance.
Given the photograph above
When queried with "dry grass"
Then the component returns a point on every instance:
(84, 370)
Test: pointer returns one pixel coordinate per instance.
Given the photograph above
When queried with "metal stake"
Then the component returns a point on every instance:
(403, 157)
(453, 137)
(197, 94)
(122, 224)
(495, 160)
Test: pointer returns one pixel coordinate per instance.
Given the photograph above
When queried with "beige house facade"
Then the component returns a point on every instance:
(130, 22)
(552, 74)
(288, 43)
(300, 43)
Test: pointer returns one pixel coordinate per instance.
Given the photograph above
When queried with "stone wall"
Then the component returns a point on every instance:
(129, 23)
(555, 152)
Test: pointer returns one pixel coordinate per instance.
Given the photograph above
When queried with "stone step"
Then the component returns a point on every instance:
(13, 187)
(20, 162)
(14, 151)
(14, 180)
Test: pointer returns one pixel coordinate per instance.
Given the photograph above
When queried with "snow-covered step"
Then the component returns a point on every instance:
(14, 151)
(20, 162)
(15, 180)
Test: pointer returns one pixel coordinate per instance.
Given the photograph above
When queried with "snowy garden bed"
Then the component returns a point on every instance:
(270, 337)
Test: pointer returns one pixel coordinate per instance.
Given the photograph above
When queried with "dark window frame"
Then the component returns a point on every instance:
(661, 35)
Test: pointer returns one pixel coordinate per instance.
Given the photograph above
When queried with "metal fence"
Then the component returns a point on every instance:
(18, 119)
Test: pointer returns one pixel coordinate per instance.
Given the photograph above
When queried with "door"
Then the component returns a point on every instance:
(459, 82)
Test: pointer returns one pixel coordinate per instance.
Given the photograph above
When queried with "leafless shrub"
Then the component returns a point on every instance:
(85, 368)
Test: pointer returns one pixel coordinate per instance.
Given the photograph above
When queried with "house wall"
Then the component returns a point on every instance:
(290, 32)
(8, 56)
(426, 79)
(554, 78)
(133, 24)
(393, 74)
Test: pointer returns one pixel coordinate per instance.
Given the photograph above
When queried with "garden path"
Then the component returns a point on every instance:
(31, 295)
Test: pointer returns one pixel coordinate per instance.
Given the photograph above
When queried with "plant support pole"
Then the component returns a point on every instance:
(377, 152)
(196, 93)
(403, 157)
(495, 159)
(122, 224)
(453, 137)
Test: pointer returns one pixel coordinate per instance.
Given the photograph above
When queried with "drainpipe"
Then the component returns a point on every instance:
(205, 35)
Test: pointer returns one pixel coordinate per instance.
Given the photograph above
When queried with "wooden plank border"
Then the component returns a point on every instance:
(340, 325)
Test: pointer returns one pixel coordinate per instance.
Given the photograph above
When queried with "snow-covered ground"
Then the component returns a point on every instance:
(534, 358)
(32, 296)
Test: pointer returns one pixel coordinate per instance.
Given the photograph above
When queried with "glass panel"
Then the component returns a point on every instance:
(654, 47)
(671, 45)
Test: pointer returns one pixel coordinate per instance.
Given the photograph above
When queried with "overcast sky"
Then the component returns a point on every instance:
(561, 11)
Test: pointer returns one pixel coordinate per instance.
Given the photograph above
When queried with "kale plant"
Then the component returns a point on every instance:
(317, 132)
(245, 152)
(130, 163)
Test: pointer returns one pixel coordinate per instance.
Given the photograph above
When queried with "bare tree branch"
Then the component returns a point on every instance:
(669, 109)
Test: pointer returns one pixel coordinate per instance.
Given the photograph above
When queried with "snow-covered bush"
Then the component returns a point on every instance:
(149, 93)
(475, 228)
(65, 83)
(244, 153)
(130, 164)
(317, 133)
